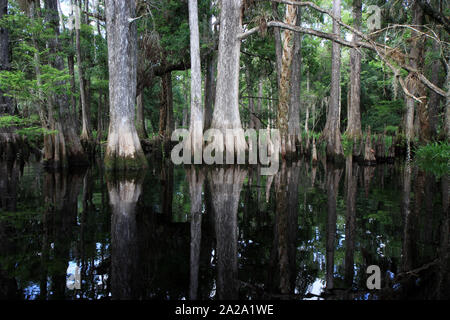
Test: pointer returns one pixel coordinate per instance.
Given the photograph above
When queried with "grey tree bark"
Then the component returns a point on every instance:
(278, 44)
(211, 60)
(296, 73)
(226, 107)
(86, 136)
(354, 113)
(332, 133)
(196, 123)
(124, 150)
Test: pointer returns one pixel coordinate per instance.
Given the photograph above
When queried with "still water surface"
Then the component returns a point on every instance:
(309, 232)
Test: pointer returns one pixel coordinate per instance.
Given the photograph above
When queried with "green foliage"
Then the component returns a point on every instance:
(434, 158)
(384, 114)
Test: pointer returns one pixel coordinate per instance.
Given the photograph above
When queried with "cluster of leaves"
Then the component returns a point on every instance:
(434, 158)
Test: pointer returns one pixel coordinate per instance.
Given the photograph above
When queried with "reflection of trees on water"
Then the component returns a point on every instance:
(61, 192)
(123, 197)
(333, 178)
(195, 179)
(225, 187)
(189, 237)
(351, 180)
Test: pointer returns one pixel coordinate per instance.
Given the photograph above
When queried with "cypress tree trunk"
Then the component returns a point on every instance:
(414, 86)
(226, 107)
(447, 106)
(435, 99)
(196, 123)
(294, 106)
(332, 133)
(285, 81)
(251, 103)
(354, 113)
(209, 79)
(124, 150)
(6, 105)
(278, 44)
(65, 149)
(140, 119)
(86, 137)
(166, 107)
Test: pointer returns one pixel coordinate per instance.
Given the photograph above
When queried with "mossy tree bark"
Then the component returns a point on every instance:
(124, 150)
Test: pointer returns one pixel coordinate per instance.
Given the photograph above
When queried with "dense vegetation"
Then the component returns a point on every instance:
(372, 87)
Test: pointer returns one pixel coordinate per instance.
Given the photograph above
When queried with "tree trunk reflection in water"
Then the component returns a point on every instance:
(195, 179)
(333, 178)
(443, 272)
(61, 192)
(9, 175)
(225, 186)
(123, 196)
(286, 185)
(350, 220)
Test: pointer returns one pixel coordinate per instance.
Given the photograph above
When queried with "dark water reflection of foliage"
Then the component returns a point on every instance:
(175, 233)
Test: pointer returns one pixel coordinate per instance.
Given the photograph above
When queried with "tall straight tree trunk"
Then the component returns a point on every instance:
(140, 119)
(354, 113)
(85, 114)
(166, 107)
(414, 86)
(294, 106)
(435, 99)
(226, 107)
(332, 133)
(447, 105)
(209, 78)
(285, 81)
(259, 104)
(278, 44)
(196, 123)
(124, 150)
(6, 105)
(251, 103)
(66, 149)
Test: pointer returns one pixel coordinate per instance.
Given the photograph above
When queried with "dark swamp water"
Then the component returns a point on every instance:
(310, 232)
